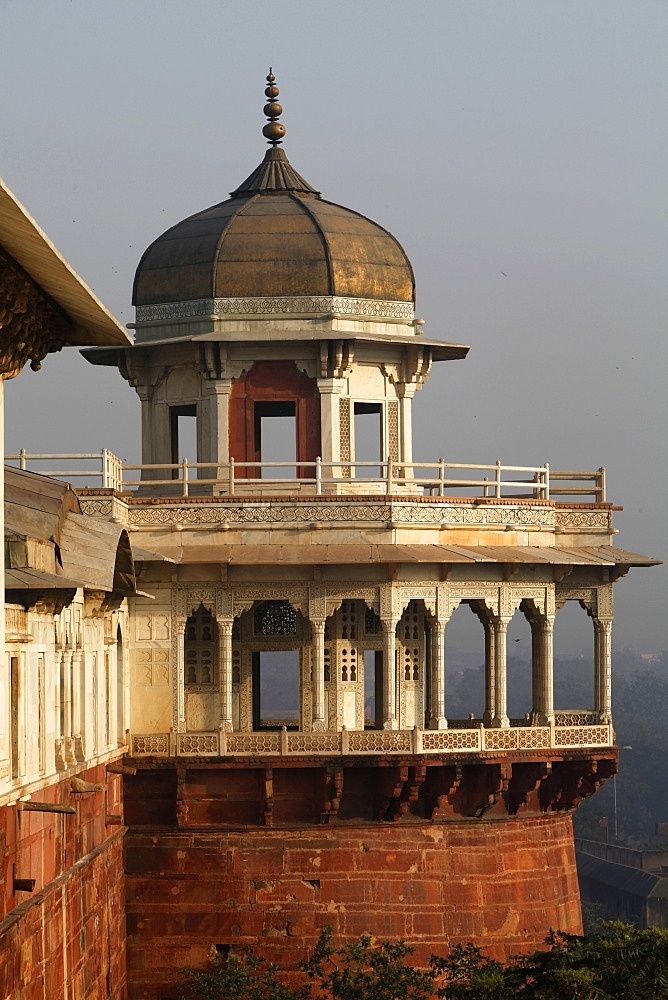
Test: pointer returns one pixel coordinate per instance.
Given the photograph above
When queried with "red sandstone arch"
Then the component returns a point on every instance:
(274, 382)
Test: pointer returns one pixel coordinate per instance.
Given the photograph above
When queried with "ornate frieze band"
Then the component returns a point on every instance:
(286, 305)
(331, 510)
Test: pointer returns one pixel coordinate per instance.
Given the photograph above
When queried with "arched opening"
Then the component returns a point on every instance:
(268, 404)
(520, 684)
(200, 649)
(276, 666)
(465, 665)
(200, 668)
(574, 673)
(411, 660)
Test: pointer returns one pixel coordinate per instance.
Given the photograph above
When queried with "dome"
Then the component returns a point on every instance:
(274, 237)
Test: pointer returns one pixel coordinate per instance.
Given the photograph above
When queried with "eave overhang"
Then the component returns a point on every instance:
(22, 238)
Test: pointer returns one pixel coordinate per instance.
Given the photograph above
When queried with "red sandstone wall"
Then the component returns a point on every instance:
(71, 929)
(501, 883)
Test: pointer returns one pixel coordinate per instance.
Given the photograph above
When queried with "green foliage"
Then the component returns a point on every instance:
(618, 963)
(237, 977)
(362, 971)
(470, 974)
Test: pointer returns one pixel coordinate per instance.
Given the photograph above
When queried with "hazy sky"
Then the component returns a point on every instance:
(517, 149)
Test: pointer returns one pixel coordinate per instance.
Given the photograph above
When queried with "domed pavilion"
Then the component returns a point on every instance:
(298, 761)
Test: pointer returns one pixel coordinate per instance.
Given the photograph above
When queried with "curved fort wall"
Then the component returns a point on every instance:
(196, 886)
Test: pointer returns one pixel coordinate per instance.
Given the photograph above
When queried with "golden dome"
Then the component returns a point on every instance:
(274, 237)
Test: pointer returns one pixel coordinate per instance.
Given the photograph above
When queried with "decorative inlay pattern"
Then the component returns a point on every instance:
(253, 743)
(533, 738)
(379, 740)
(393, 431)
(314, 742)
(328, 510)
(96, 508)
(448, 739)
(156, 743)
(575, 718)
(583, 518)
(501, 739)
(589, 736)
(344, 434)
(276, 305)
(197, 743)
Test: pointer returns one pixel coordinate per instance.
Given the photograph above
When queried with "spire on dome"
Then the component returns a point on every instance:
(275, 172)
(274, 130)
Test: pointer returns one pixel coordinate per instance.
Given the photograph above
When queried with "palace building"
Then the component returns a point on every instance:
(265, 641)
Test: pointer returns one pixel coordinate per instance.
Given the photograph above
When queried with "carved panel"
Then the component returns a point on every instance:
(393, 432)
(201, 711)
(390, 603)
(198, 743)
(344, 427)
(564, 593)
(186, 599)
(317, 604)
(448, 739)
(489, 595)
(314, 742)
(604, 602)
(150, 667)
(374, 741)
(269, 305)
(152, 627)
(154, 743)
(253, 743)
(581, 736)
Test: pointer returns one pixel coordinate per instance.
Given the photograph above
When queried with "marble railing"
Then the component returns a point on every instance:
(354, 742)
(235, 478)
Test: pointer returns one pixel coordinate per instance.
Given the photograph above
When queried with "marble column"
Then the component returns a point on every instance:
(500, 627)
(214, 433)
(542, 669)
(318, 722)
(225, 674)
(490, 672)
(330, 427)
(437, 700)
(180, 706)
(603, 668)
(389, 674)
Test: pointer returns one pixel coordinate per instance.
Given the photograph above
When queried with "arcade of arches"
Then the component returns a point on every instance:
(376, 661)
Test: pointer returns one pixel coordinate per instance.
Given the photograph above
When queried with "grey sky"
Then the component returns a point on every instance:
(516, 149)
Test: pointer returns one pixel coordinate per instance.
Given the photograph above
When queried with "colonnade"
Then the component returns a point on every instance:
(495, 626)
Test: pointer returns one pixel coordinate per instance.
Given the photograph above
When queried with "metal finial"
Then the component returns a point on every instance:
(273, 131)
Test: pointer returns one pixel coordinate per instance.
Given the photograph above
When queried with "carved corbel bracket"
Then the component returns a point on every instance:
(32, 324)
(337, 358)
(334, 791)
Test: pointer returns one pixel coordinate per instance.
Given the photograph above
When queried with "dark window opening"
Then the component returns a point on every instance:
(368, 434)
(275, 429)
(183, 434)
(200, 648)
(373, 689)
(276, 689)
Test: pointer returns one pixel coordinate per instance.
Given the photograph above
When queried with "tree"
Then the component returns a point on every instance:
(618, 963)
(362, 971)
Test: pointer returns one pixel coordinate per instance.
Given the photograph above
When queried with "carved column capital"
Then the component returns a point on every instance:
(32, 324)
